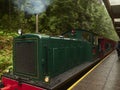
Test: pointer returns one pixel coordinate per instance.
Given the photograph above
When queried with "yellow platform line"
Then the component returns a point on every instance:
(70, 88)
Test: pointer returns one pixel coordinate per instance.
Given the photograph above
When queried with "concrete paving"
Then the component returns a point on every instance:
(106, 76)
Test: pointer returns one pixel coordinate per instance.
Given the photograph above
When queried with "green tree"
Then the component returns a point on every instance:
(59, 17)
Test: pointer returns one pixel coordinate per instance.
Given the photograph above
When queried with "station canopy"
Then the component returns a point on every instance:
(113, 8)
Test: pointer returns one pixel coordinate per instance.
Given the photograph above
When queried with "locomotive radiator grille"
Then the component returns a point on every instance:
(25, 57)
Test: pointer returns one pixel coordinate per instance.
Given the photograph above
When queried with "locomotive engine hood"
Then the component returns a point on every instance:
(26, 61)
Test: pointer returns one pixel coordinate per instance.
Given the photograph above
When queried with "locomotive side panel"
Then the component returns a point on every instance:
(66, 54)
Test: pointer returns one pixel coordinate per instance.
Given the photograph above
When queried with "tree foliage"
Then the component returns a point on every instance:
(60, 16)
(5, 51)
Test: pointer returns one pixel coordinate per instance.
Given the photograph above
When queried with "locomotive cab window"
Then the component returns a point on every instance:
(86, 36)
(95, 40)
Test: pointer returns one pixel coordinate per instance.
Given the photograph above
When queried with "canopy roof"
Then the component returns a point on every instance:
(113, 8)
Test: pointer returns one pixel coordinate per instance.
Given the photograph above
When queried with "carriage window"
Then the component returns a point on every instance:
(86, 36)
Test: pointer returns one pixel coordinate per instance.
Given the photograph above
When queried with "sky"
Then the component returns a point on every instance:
(114, 2)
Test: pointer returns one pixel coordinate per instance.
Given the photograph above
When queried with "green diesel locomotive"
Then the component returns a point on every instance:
(46, 62)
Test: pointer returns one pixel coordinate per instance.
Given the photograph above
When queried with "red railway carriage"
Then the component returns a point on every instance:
(105, 45)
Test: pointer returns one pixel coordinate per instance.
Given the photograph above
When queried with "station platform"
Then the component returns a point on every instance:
(104, 76)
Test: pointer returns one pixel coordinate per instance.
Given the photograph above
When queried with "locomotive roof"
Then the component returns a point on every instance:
(77, 30)
(59, 37)
(33, 35)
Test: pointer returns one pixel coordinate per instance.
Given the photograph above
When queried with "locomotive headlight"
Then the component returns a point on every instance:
(19, 31)
(47, 79)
